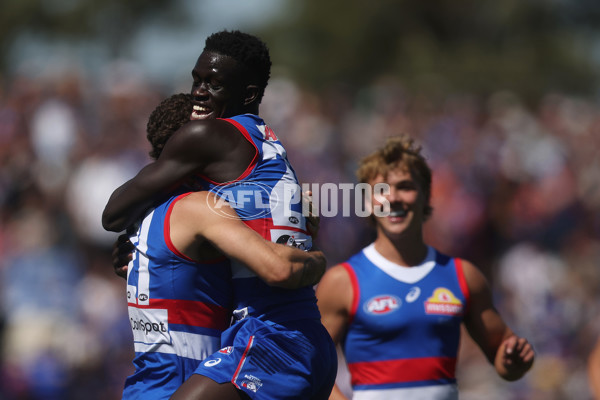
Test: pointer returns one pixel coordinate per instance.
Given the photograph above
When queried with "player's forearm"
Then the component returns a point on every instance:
(300, 268)
(125, 206)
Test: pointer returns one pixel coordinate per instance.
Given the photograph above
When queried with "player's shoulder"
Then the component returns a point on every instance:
(202, 139)
(475, 278)
(204, 129)
(336, 276)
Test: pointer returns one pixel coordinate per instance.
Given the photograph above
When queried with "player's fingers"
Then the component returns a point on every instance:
(122, 271)
(121, 255)
(526, 352)
(509, 345)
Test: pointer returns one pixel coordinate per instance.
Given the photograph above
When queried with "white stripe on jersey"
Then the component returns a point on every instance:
(438, 392)
(142, 247)
(183, 344)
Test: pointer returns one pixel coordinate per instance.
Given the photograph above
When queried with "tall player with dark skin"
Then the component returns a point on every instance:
(207, 145)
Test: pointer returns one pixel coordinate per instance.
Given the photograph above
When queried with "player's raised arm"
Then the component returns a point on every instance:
(191, 150)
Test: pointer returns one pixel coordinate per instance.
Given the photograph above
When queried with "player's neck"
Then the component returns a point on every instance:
(408, 251)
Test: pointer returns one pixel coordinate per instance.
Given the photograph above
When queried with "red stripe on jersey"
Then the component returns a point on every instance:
(264, 226)
(250, 167)
(236, 374)
(169, 242)
(462, 282)
(399, 371)
(192, 313)
(167, 228)
(252, 164)
(355, 290)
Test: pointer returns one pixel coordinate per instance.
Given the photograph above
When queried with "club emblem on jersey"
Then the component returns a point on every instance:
(251, 383)
(383, 304)
(443, 302)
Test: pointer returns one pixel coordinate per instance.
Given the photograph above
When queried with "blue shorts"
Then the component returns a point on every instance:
(271, 361)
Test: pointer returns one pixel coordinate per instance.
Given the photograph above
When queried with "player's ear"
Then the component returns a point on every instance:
(251, 94)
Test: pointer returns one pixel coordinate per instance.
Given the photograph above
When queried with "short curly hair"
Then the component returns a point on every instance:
(251, 54)
(170, 115)
(398, 152)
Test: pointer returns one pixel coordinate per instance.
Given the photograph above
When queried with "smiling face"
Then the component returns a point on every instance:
(405, 205)
(217, 90)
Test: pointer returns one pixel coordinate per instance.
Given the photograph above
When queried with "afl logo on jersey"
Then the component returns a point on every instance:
(253, 198)
(383, 304)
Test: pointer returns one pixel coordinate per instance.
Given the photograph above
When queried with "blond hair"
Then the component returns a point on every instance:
(398, 152)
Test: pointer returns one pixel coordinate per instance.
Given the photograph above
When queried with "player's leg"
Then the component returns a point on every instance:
(198, 387)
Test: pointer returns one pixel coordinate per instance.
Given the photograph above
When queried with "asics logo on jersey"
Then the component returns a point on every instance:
(413, 294)
(212, 363)
(383, 304)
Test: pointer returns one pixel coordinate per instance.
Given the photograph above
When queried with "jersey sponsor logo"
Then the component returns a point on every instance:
(226, 350)
(443, 302)
(413, 294)
(251, 383)
(150, 326)
(382, 304)
(290, 241)
(212, 363)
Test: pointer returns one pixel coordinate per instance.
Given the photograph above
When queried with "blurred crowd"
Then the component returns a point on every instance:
(516, 190)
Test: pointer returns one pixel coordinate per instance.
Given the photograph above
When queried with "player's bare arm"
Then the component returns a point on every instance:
(213, 148)
(511, 355)
(334, 298)
(195, 219)
(593, 368)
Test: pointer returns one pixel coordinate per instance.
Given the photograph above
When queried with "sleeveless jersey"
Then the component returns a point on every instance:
(404, 332)
(178, 308)
(267, 197)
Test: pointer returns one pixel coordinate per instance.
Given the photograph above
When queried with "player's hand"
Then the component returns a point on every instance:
(121, 255)
(517, 357)
(312, 219)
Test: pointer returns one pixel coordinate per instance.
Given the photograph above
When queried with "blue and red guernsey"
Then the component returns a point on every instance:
(267, 197)
(404, 330)
(178, 308)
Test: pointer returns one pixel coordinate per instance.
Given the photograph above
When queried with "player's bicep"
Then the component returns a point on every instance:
(225, 230)
(334, 298)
